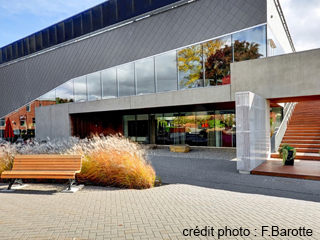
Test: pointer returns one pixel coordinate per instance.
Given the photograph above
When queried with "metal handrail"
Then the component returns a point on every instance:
(287, 112)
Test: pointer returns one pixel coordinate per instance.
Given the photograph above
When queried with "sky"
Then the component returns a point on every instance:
(20, 18)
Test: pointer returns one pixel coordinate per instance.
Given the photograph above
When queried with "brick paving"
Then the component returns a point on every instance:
(39, 212)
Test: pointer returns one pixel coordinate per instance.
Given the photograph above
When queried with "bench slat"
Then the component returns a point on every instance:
(43, 156)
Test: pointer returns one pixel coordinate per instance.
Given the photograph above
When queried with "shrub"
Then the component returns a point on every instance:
(109, 161)
(7, 153)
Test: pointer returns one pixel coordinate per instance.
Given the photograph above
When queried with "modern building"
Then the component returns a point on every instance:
(164, 72)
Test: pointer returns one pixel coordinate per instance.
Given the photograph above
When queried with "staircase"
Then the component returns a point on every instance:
(303, 131)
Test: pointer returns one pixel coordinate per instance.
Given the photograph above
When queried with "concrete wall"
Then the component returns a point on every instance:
(54, 121)
(253, 131)
(290, 75)
(276, 26)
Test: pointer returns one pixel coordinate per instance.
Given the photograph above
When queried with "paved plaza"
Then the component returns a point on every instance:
(202, 194)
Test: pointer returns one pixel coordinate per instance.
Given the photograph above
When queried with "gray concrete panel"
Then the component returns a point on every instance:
(165, 99)
(290, 75)
(43, 122)
(53, 122)
(28, 79)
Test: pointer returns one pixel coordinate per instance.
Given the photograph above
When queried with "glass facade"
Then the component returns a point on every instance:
(273, 46)
(250, 44)
(204, 64)
(126, 80)
(217, 56)
(190, 67)
(64, 93)
(94, 86)
(216, 128)
(200, 65)
(145, 76)
(109, 83)
(166, 72)
(80, 89)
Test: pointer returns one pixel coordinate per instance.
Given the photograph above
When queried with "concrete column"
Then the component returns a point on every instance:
(253, 130)
(153, 127)
(53, 122)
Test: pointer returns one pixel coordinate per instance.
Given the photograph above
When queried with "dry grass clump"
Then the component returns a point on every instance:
(116, 161)
(7, 153)
(109, 161)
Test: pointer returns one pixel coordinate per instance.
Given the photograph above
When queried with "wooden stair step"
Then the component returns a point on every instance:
(301, 141)
(299, 134)
(308, 150)
(302, 156)
(294, 137)
(299, 145)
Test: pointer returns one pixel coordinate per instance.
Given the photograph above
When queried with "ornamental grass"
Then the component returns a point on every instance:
(109, 160)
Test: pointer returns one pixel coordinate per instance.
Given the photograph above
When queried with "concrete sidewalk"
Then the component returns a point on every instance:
(202, 193)
(159, 213)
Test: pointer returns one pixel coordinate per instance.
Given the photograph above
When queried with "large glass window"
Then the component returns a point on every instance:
(94, 86)
(250, 44)
(126, 80)
(217, 56)
(80, 89)
(109, 83)
(145, 76)
(64, 93)
(190, 67)
(166, 72)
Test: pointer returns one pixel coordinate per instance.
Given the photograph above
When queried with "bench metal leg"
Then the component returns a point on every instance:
(71, 181)
(10, 184)
(77, 181)
(19, 181)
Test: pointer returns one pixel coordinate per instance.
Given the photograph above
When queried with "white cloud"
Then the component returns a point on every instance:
(302, 18)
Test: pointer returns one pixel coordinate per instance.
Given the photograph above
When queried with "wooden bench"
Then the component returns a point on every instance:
(44, 167)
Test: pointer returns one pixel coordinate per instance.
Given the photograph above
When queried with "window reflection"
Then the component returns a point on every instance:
(204, 127)
(225, 128)
(250, 44)
(145, 76)
(166, 72)
(274, 48)
(109, 83)
(190, 67)
(80, 89)
(126, 80)
(64, 93)
(129, 127)
(94, 86)
(48, 99)
(212, 128)
(217, 56)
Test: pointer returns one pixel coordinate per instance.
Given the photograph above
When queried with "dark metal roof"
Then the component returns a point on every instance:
(98, 17)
